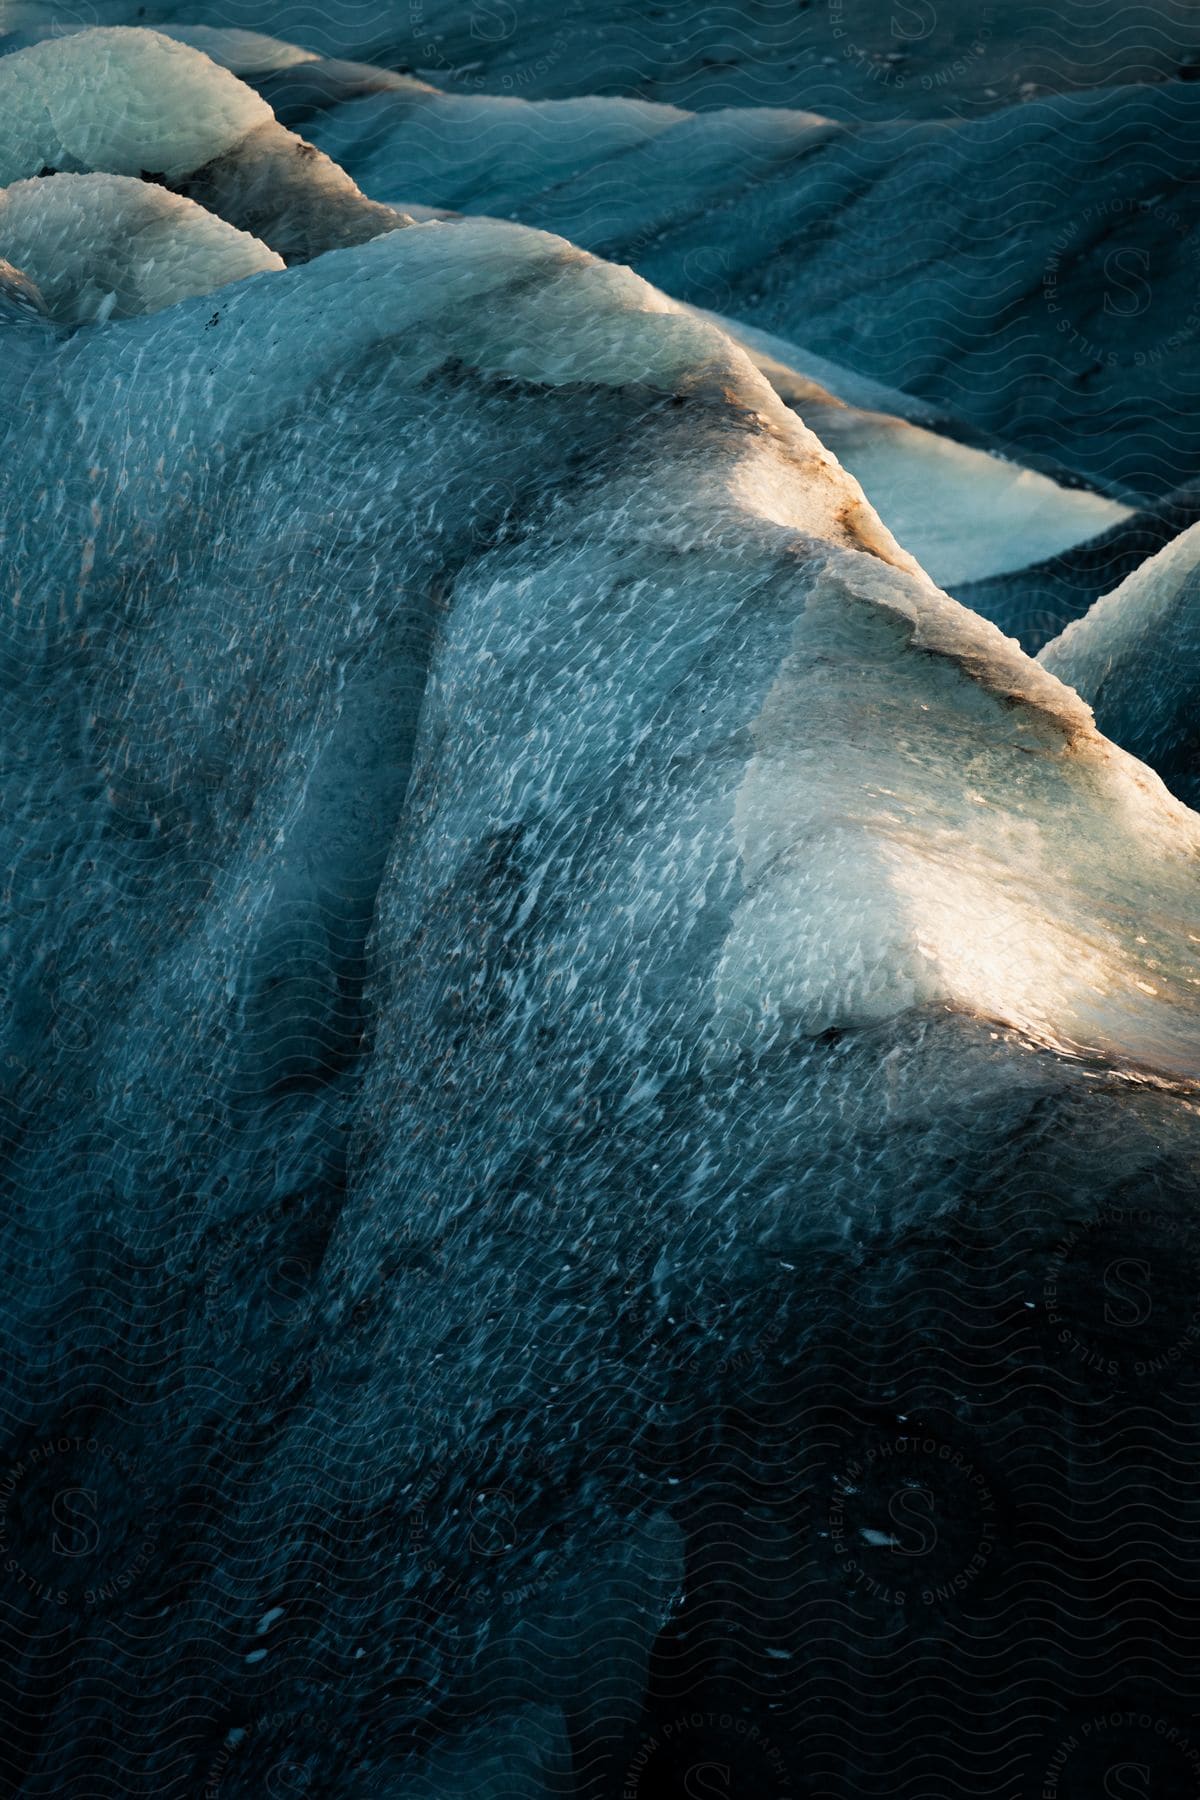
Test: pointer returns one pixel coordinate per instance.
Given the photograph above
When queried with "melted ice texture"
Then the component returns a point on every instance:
(485, 794)
(698, 610)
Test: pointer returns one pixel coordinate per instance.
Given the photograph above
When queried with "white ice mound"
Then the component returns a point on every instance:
(124, 101)
(106, 246)
(1135, 657)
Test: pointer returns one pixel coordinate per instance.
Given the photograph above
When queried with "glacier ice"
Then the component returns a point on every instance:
(246, 53)
(106, 246)
(18, 293)
(136, 103)
(556, 991)
(978, 901)
(1134, 657)
(966, 515)
(963, 60)
(1037, 603)
(873, 242)
(119, 101)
